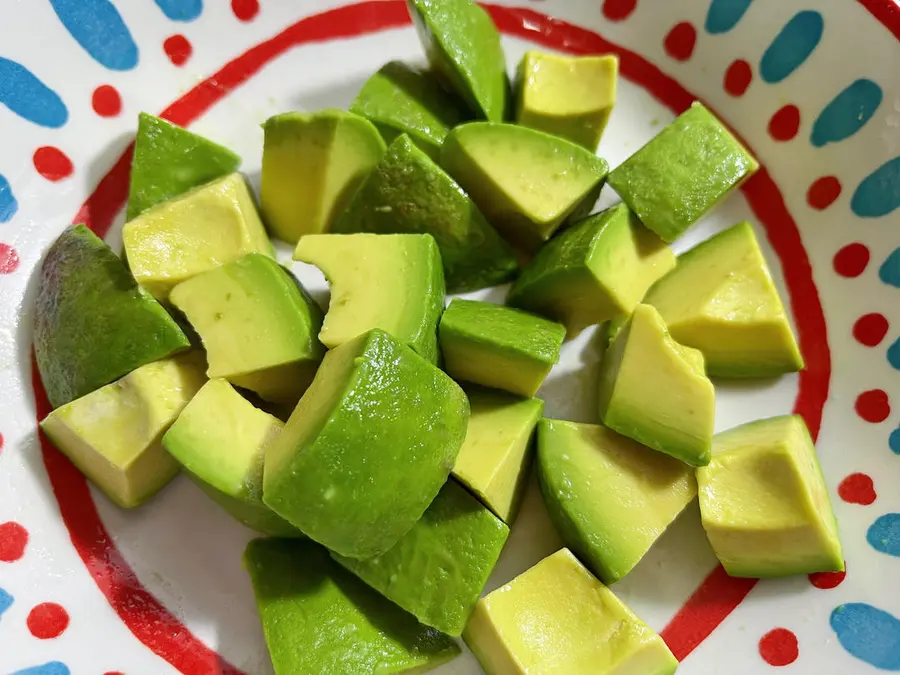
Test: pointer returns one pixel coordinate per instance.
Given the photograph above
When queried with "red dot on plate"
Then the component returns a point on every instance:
(857, 488)
(106, 101)
(738, 77)
(47, 620)
(873, 406)
(779, 647)
(9, 259)
(785, 123)
(618, 10)
(827, 580)
(870, 329)
(680, 41)
(13, 540)
(852, 260)
(52, 163)
(822, 193)
(178, 49)
(245, 10)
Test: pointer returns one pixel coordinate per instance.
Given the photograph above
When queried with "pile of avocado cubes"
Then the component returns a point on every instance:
(387, 491)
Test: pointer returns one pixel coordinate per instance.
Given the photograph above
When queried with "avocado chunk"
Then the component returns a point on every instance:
(399, 99)
(368, 446)
(407, 193)
(609, 497)
(220, 440)
(317, 618)
(312, 164)
(499, 347)
(258, 326)
(654, 390)
(683, 172)
(598, 269)
(568, 96)
(525, 182)
(463, 47)
(557, 619)
(406, 302)
(113, 434)
(93, 324)
(764, 502)
(437, 570)
(169, 160)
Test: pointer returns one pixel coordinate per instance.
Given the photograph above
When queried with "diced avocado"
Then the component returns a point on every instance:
(394, 282)
(496, 455)
(438, 569)
(220, 439)
(318, 618)
(499, 347)
(569, 96)
(407, 193)
(557, 619)
(463, 47)
(765, 504)
(169, 160)
(683, 172)
(399, 99)
(312, 164)
(258, 326)
(524, 181)
(92, 322)
(598, 269)
(368, 446)
(113, 434)
(609, 497)
(654, 390)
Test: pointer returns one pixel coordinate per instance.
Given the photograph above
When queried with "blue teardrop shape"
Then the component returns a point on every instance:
(8, 203)
(98, 27)
(847, 113)
(792, 46)
(723, 15)
(181, 10)
(52, 668)
(868, 633)
(884, 534)
(879, 193)
(23, 93)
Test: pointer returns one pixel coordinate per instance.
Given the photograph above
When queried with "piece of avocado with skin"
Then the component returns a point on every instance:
(765, 504)
(597, 269)
(258, 326)
(438, 569)
(557, 619)
(609, 497)
(407, 302)
(368, 447)
(93, 323)
(498, 347)
(525, 182)
(113, 435)
(319, 618)
(312, 164)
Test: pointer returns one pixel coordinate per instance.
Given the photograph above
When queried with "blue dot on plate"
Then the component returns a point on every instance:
(98, 27)
(893, 354)
(723, 15)
(879, 192)
(889, 272)
(8, 203)
(868, 633)
(792, 46)
(181, 10)
(884, 534)
(52, 668)
(22, 92)
(6, 601)
(894, 441)
(847, 113)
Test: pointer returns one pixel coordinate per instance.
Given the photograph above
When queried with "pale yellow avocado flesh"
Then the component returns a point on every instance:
(113, 434)
(558, 619)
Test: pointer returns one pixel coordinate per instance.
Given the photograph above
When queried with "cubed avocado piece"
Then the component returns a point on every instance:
(654, 390)
(499, 347)
(407, 193)
(312, 164)
(368, 447)
(394, 282)
(609, 497)
(206, 227)
(318, 618)
(258, 326)
(220, 440)
(599, 268)
(113, 434)
(764, 502)
(438, 569)
(568, 96)
(93, 324)
(683, 172)
(169, 160)
(557, 619)
(495, 458)
(525, 182)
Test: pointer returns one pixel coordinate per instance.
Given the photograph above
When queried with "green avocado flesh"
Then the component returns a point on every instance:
(654, 390)
(765, 504)
(113, 434)
(525, 182)
(407, 303)
(319, 619)
(312, 164)
(367, 448)
(609, 497)
(683, 172)
(257, 324)
(438, 569)
(169, 161)
(557, 619)
(93, 324)
(407, 193)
